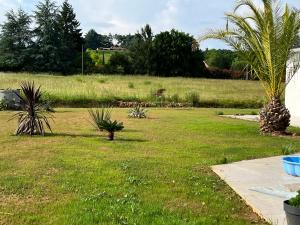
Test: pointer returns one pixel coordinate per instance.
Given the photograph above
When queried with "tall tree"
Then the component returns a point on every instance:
(70, 38)
(140, 50)
(93, 40)
(16, 41)
(174, 53)
(220, 58)
(264, 40)
(47, 37)
(124, 41)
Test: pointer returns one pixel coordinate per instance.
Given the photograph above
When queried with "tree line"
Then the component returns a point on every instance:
(50, 40)
(47, 41)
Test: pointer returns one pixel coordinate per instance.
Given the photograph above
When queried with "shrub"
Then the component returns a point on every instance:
(193, 98)
(130, 85)
(137, 112)
(33, 118)
(102, 121)
(220, 113)
(120, 63)
(79, 79)
(295, 201)
(216, 73)
(101, 81)
(174, 98)
(224, 160)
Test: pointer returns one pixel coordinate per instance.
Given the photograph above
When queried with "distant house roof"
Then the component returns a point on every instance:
(114, 48)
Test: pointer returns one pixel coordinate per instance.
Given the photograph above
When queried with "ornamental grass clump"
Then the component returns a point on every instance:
(33, 118)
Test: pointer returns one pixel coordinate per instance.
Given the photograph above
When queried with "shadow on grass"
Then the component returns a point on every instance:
(130, 140)
(94, 136)
(130, 131)
(72, 135)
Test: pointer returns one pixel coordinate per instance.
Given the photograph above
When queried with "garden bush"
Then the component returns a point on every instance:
(216, 73)
(295, 201)
(193, 98)
(119, 63)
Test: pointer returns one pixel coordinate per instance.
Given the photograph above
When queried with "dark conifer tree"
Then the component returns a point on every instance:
(140, 49)
(70, 38)
(47, 37)
(15, 41)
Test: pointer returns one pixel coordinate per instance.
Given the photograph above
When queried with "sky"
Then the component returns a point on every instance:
(128, 16)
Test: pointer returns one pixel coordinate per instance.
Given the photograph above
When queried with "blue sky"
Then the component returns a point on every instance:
(127, 16)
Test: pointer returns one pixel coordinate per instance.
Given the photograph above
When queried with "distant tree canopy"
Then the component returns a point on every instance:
(93, 40)
(174, 54)
(223, 59)
(141, 51)
(16, 41)
(70, 38)
(124, 41)
(50, 46)
(51, 41)
(46, 54)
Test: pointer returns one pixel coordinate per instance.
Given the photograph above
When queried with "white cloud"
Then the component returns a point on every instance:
(167, 18)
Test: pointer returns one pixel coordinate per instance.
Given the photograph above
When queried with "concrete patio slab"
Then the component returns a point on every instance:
(265, 173)
(254, 118)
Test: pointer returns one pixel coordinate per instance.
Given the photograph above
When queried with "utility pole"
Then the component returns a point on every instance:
(82, 59)
(103, 57)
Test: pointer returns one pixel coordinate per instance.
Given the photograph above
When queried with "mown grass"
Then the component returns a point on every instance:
(156, 172)
(83, 91)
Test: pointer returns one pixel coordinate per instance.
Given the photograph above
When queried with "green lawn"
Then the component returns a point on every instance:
(156, 172)
(86, 90)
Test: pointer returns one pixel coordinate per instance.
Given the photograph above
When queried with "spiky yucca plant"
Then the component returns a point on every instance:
(101, 120)
(34, 118)
(98, 116)
(137, 112)
(111, 127)
(264, 38)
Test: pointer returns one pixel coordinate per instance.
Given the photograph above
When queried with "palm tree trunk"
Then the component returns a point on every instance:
(274, 117)
(111, 136)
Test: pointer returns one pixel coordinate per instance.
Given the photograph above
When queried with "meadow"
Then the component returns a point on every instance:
(156, 172)
(83, 91)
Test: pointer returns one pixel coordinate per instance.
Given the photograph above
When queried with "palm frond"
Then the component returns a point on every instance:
(263, 39)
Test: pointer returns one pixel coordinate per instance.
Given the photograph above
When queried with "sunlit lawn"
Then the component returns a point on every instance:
(156, 172)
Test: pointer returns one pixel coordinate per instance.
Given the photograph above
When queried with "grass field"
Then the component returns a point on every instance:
(156, 172)
(90, 90)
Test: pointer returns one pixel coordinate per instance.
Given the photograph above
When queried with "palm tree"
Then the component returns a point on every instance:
(101, 120)
(264, 39)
